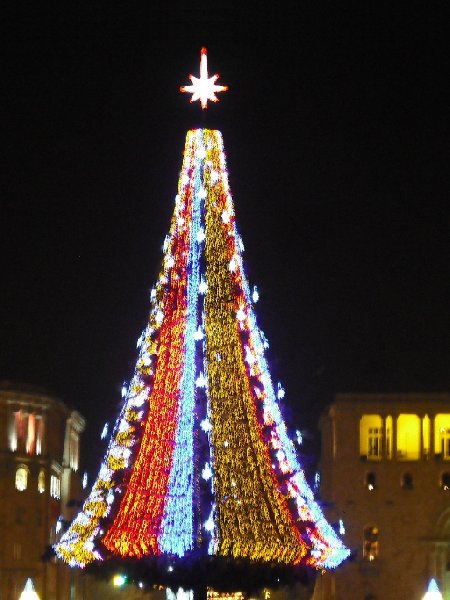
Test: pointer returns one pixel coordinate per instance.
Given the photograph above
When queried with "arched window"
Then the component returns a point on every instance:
(445, 481)
(21, 480)
(371, 481)
(407, 481)
(41, 481)
(370, 546)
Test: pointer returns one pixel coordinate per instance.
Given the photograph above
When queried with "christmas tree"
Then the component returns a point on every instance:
(199, 463)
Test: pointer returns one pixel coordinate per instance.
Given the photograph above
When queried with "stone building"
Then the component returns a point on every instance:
(385, 471)
(40, 487)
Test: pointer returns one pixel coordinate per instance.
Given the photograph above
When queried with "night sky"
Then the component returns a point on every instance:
(336, 131)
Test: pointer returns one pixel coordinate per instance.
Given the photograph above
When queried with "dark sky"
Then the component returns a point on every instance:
(336, 130)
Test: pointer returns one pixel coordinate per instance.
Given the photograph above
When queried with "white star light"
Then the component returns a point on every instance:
(203, 87)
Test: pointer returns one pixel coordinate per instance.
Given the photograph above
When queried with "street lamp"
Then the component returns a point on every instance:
(432, 592)
(119, 580)
(29, 593)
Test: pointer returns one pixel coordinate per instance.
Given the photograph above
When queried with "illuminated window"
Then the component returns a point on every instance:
(370, 548)
(370, 481)
(407, 481)
(442, 436)
(28, 432)
(408, 437)
(31, 435)
(20, 425)
(371, 437)
(445, 481)
(21, 478)
(445, 443)
(41, 481)
(55, 487)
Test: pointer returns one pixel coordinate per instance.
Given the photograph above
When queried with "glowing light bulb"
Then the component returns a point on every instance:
(206, 472)
(200, 381)
(201, 235)
(206, 425)
(280, 392)
(255, 294)
(198, 335)
(209, 524)
(232, 266)
(240, 315)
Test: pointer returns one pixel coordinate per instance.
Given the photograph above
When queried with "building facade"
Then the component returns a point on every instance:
(40, 488)
(385, 471)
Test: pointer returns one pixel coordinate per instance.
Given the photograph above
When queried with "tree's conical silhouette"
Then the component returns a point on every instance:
(200, 462)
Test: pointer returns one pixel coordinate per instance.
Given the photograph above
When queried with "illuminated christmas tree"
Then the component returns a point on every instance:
(199, 463)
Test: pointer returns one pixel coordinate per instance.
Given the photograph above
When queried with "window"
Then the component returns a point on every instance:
(370, 481)
(55, 487)
(445, 443)
(374, 445)
(28, 432)
(371, 437)
(370, 548)
(21, 478)
(408, 437)
(442, 435)
(407, 481)
(20, 423)
(445, 481)
(41, 481)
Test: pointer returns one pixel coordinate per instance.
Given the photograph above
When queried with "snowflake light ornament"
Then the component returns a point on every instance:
(203, 88)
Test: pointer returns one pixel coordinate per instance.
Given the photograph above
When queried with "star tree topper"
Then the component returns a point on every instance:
(203, 87)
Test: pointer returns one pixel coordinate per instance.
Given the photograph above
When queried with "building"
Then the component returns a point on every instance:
(385, 471)
(40, 488)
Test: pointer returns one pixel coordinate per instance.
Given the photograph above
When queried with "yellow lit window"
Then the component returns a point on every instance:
(370, 548)
(442, 436)
(21, 481)
(371, 437)
(41, 481)
(408, 437)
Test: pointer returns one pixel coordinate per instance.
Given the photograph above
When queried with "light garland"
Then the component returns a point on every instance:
(200, 457)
